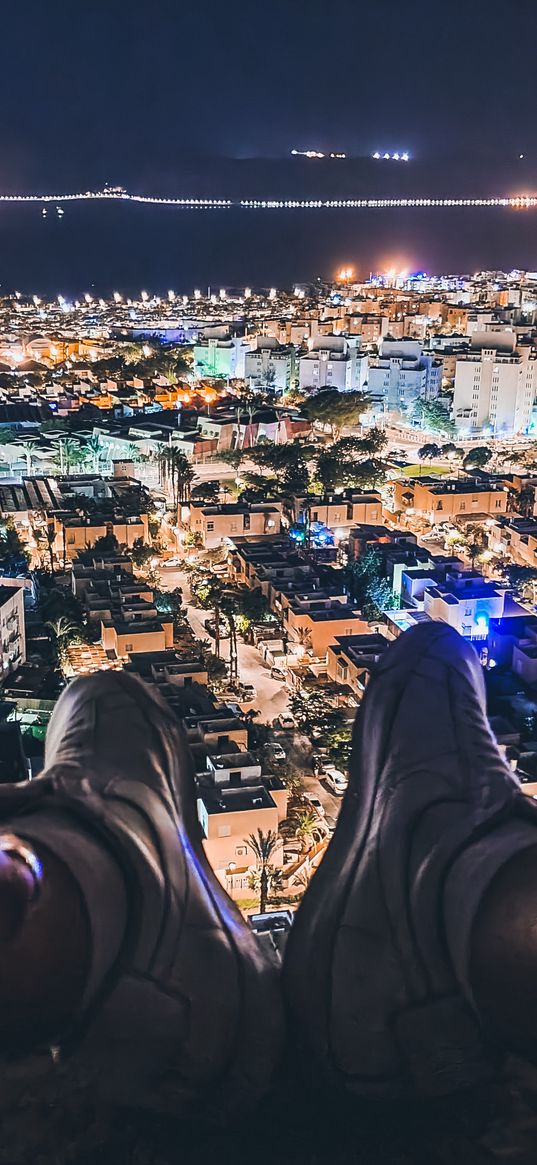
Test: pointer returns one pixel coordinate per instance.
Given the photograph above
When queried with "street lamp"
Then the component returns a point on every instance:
(230, 870)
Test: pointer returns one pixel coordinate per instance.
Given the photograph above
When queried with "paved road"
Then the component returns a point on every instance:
(272, 695)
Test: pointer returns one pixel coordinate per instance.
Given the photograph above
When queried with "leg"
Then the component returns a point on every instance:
(377, 970)
(172, 1002)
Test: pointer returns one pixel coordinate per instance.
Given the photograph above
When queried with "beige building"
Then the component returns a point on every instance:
(74, 534)
(440, 500)
(352, 658)
(214, 523)
(339, 511)
(316, 623)
(234, 801)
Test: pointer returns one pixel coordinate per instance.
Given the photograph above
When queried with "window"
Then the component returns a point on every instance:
(128, 647)
(241, 851)
(315, 516)
(498, 503)
(463, 505)
(468, 612)
(210, 527)
(224, 830)
(246, 521)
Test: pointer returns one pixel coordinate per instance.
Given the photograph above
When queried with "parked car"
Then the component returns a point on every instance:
(234, 708)
(336, 781)
(276, 752)
(285, 720)
(210, 626)
(248, 692)
(174, 563)
(316, 804)
(276, 673)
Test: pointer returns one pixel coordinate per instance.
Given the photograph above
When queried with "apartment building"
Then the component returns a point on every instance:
(76, 533)
(314, 620)
(352, 658)
(12, 628)
(401, 373)
(333, 362)
(442, 500)
(214, 523)
(339, 512)
(495, 385)
(268, 364)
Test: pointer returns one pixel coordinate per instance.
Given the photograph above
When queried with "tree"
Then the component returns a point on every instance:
(13, 553)
(141, 553)
(334, 410)
(477, 457)
(234, 457)
(193, 540)
(64, 631)
(263, 846)
(171, 603)
(368, 584)
(206, 491)
(70, 453)
(314, 714)
(108, 544)
(177, 473)
(429, 451)
(94, 447)
(307, 829)
(433, 415)
(525, 501)
(27, 449)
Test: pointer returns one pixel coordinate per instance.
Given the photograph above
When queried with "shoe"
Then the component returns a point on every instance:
(189, 1017)
(376, 971)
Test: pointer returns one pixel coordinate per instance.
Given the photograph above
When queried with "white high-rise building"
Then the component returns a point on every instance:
(495, 390)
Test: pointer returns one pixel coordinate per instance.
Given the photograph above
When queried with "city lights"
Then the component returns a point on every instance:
(513, 202)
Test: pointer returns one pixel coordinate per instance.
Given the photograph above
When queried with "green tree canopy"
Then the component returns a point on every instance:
(334, 409)
(477, 457)
(434, 415)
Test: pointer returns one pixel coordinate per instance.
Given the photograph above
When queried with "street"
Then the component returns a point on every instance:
(272, 695)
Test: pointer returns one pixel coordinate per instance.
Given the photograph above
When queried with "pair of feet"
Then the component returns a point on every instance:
(379, 978)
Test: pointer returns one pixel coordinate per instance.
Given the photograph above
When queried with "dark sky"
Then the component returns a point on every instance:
(118, 91)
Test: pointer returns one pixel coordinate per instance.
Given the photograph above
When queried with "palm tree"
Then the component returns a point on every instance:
(263, 846)
(94, 448)
(183, 475)
(73, 453)
(307, 829)
(28, 449)
(64, 632)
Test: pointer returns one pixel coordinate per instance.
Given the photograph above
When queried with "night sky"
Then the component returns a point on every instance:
(119, 91)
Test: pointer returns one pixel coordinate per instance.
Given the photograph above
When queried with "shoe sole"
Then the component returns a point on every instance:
(255, 1033)
(312, 996)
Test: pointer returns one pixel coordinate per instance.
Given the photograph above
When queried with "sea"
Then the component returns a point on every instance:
(127, 247)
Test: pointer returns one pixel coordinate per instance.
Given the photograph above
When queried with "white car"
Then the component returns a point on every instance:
(336, 781)
(285, 720)
(316, 804)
